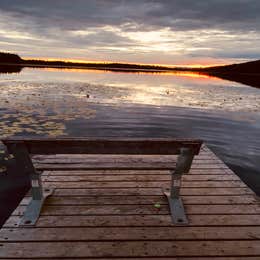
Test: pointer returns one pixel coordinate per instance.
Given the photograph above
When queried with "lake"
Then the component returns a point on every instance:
(70, 102)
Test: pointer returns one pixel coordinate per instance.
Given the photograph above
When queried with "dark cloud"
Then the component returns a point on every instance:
(227, 14)
(53, 22)
(177, 14)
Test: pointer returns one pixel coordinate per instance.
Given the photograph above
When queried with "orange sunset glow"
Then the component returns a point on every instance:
(165, 73)
(193, 65)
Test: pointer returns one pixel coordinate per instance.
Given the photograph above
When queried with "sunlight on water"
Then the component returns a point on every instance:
(39, 101)
(46, 85)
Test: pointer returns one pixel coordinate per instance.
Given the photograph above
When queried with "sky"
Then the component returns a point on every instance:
(159, 32)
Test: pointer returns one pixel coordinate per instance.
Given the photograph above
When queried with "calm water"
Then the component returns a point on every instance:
(51, 102)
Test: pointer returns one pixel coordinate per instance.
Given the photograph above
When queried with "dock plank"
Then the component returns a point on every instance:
(139, 220)
(149, 191)
(141, 209)
(123, 166)
(128, 233)
(75, 172)
(131, 249)
(161, 258)
(138, 178)
(144, 200)
(142, 184)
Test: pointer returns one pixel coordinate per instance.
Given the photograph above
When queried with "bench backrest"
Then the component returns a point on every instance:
(160, 146)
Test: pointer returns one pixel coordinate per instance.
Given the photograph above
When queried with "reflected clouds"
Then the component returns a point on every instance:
(43, 101)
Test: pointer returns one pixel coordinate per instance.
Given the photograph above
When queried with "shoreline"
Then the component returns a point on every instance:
(97, 67)
(246, 78)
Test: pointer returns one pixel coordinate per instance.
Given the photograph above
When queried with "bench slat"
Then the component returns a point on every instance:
(106, 145)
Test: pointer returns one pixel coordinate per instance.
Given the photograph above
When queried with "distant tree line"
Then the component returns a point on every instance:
(6, 57)
(246, 67)
(97, 65)
(252, 67)
(15, 59)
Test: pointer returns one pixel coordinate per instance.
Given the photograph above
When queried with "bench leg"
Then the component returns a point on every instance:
(25, 166)
(34, 207)
(175, 202)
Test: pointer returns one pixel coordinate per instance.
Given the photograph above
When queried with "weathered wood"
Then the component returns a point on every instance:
(145, 200)
(106, 145)
(128, 233)
(144, 209)
(149, 191)
(217, 171)
(139, 221)
(131, 249)
(106, 166)
(104, 158)
(161, 258)
(140, 177)
(142, 184)
(117, 157)
(120, 166)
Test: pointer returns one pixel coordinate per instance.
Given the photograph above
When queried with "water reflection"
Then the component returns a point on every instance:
(147, 72)
(41, 101)
(10, 69)
(181, 89)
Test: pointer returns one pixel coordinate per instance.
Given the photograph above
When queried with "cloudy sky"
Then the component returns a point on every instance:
(159, 31)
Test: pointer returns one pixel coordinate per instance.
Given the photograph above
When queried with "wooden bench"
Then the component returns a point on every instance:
(23, 148)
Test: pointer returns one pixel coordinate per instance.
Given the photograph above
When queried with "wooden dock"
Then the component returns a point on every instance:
(119, 214)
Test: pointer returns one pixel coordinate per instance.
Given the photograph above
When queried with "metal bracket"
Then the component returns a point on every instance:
(175, 202)
(33, 209)
(39, 195)
(177, 210)
(25, 165)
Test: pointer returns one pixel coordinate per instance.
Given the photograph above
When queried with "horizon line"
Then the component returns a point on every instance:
(123, 62)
